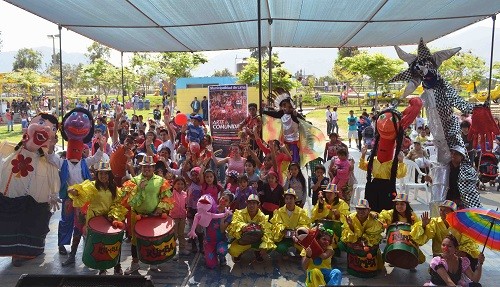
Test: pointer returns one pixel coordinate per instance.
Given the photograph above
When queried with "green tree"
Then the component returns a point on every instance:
(379, 68)
(27, 58)
(254, 52)
(222, 73)
(101, 75)
(463, 68)
(97, 51)
(145, 67)
(340, 72)
(174, 65)
(281, 78)
(496, 71)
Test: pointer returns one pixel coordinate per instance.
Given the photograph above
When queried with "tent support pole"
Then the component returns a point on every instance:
(61, 79)
(493, 17)
(123, 82)
(259, 37)
(270, 62)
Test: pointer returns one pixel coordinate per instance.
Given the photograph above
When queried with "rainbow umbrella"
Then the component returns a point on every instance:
(482, 225)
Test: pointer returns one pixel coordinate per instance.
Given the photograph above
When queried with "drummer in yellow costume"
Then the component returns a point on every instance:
(437, 228)
(329, 210)
(286, 220)
(148, 195)
(362, 228)
(103, 199)
(402, 212)
(241, 220)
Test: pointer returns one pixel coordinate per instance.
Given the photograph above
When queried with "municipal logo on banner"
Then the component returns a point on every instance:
(228, 107)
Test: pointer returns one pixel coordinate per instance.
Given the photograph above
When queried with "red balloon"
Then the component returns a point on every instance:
(181, 119)
(194, 147)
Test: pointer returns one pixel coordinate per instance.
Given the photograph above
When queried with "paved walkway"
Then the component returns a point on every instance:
(191, 271)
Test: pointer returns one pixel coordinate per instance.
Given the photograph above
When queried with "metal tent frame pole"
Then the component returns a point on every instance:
(61, 79)
(493, 17)
(123, 82)
(259, 39)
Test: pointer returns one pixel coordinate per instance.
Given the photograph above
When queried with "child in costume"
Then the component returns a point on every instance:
(216, 243)
(77, 129)
(243, 219)
(332, 208)
(102, 198)
(319, 270)
(290, 123)
(402, 212)
(285, 222)
(28, 191)
(148, 195)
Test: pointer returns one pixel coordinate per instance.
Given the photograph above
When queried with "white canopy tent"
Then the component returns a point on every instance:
(204, 25)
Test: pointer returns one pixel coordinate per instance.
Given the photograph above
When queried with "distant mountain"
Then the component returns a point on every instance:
(7, 58)
(313, 61)
(316, 61)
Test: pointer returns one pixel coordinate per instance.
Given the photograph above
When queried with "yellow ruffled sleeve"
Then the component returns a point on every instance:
(237, 223)
(348, 235)
(166, 199)
(385, 216)
(343, 208)
(319, 214)
(418, 234)
(267, 240)
(304, 220)
(86, 191)
(117, 210)
(373, 231)
(128, 191)
(277, 226)
(466, 244)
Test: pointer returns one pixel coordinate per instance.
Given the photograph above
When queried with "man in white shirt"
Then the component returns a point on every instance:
(328, 115)
(335, 118)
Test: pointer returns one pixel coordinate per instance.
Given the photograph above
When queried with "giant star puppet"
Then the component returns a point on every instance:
(439, 99)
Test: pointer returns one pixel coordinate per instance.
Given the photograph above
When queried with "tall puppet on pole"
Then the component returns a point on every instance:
(439, 100)
(385, 163)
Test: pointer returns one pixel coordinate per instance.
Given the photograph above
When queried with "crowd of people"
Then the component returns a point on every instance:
(128, 170)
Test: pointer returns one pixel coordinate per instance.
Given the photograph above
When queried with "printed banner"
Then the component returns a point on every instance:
(227, 105)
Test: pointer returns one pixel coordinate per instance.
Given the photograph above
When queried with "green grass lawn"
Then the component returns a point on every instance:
(14, 136)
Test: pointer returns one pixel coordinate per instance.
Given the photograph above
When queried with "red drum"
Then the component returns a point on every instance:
(359, 263)
(252, 233)
(401, 251)
(102, 244)
(155, 239)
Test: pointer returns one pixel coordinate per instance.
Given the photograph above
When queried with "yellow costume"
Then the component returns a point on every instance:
(327, 213)
(320, 270)
(437, 230)
(156, 194)
(383, 170)
(241, 219)
(370, 231)
(385, 216)
(282, 221)
(101, 202)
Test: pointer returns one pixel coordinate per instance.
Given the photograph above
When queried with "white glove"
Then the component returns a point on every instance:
(54, 203)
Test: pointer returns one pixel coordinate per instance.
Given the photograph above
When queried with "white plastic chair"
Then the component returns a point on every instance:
(408, 182)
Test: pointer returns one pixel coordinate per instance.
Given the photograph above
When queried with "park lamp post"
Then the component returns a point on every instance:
(54, 61)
